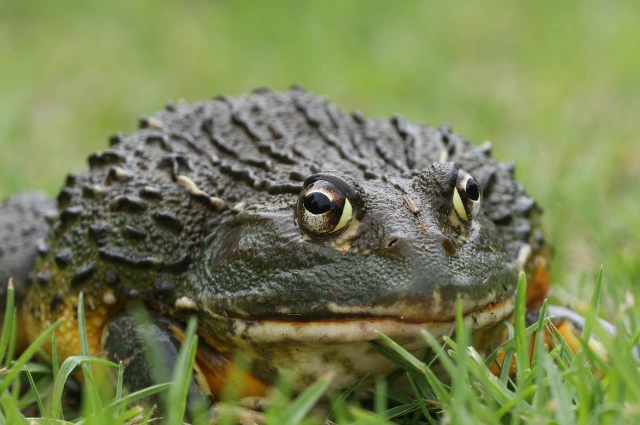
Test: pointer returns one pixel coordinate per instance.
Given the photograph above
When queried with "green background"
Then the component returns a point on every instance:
(555, 85)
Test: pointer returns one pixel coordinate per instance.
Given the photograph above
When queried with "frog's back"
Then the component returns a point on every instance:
(132, 225)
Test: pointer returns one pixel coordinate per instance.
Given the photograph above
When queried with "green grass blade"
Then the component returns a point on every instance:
(437, 386)
(47, 421)
(46, 358)
(6, 324)
(460, 386)
(400, 397)
(28, 397)
(394, 412)
(13, 339)
(27, 354)
(522, 396)
(421, 403)
(393, 357)
(139, 395)
(54, 356)
(563, 402)
(363, 417)
(68, 366)
(597, 291)
(181, 379)
(119, 385)
(296, 411)
(633, 340)
(35, 391)
(539, 352)
(38, 368)
(410, 358)
(338, 401)
(595, 304)
(82, 329)
(505, 367)
(442, 357)
(380, 397)
(91, 388)
(520, 338)
(11, 410)
(492, 385)
(423, 385)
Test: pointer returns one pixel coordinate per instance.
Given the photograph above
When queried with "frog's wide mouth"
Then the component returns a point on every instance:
(362, 328)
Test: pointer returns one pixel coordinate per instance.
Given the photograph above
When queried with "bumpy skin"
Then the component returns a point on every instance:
(22, 232)
(194, 214)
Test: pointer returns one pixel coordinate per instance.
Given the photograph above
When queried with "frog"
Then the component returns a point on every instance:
(293, 231)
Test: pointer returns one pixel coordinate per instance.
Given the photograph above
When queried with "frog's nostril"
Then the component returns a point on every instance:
(391, 242)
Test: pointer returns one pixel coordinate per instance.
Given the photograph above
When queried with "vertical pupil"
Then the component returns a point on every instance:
(317, 203)
(473, 192)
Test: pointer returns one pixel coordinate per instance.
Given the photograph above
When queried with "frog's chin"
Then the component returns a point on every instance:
(362, 328)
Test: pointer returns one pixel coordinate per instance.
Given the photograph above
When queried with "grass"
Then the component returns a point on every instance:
(554, 86)
(553, 385)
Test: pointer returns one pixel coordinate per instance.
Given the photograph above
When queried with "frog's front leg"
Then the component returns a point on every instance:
(149, 352)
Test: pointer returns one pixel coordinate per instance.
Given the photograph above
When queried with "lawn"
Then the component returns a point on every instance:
(554, 85)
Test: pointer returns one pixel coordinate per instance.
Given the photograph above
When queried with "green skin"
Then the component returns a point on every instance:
(199, 213)
(259, 263)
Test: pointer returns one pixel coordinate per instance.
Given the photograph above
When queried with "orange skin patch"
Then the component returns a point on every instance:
(67, 335)
(539, 281)
(223, 375)
(568, 332)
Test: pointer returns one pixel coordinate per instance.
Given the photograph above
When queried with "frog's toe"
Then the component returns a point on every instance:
(236, 413)
(258, 404)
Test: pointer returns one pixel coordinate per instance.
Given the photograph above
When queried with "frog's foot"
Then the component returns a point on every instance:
(221, 413)
(149, 352)
(259, 404)
(570, 325)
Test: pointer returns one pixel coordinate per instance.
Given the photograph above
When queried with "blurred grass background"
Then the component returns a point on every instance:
(554, 85)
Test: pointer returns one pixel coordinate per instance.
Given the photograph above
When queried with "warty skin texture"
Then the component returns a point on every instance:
(195, 214)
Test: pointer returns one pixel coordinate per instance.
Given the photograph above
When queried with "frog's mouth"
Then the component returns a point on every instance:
(361, 328)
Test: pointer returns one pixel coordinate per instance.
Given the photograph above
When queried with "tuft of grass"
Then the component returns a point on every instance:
(553, 385)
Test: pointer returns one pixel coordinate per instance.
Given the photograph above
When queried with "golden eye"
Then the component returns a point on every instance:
(323, 209)
(467, 196)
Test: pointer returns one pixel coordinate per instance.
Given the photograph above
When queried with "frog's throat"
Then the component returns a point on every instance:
(364, 329)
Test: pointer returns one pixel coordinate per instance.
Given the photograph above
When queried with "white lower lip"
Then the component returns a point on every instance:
(351, 330)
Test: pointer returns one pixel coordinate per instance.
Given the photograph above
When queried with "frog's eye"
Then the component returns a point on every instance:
(467, 196)
(323, 209)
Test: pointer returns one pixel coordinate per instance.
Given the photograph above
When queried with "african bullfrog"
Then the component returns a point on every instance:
(292, 230)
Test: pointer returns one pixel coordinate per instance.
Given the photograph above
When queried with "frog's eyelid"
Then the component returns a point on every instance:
(347, 214)
(459, 206)
(466, 207)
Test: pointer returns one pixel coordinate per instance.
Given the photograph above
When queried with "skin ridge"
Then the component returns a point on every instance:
(137, 217)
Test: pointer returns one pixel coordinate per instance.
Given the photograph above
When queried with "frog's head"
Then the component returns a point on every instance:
(400, 249)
